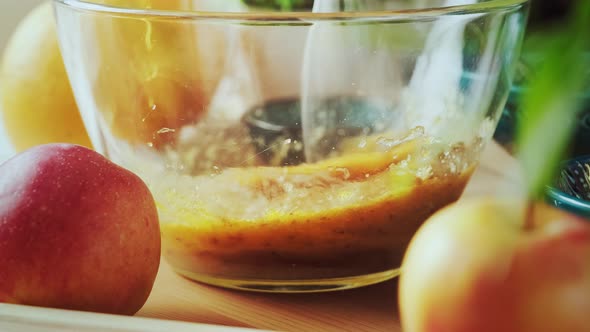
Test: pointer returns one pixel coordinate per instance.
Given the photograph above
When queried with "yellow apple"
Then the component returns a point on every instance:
(156, 75)
(473, 266)
(36, 99)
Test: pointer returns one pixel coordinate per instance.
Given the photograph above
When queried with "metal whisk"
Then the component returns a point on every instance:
(575, 180)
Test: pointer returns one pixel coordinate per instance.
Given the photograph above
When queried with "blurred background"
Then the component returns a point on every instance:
(544, 14)
(11, 12)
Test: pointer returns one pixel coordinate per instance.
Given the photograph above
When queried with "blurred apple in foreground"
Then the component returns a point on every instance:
(76, 232)
(474, 267)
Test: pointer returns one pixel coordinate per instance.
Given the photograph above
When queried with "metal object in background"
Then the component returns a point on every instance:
(571, 191)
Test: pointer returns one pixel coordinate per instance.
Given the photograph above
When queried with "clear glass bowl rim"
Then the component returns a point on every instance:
(486, 7)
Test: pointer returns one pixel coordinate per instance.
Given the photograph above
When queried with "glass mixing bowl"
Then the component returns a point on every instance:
(292, 151)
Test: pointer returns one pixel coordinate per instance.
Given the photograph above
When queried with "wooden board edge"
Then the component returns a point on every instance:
(36, 319)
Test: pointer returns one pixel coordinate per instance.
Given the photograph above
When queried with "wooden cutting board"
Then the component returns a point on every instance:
(372, 308)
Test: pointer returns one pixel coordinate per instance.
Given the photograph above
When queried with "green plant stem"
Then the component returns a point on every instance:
(551, 104)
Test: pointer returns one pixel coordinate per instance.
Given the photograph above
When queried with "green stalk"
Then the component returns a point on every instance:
(551, 104)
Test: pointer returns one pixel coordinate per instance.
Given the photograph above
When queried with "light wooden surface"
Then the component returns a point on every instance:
(373, 308)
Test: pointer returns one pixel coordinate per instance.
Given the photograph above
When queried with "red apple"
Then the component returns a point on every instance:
(474, 267)
(76, 232)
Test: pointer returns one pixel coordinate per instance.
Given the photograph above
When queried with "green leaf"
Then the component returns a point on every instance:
(552, 101)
